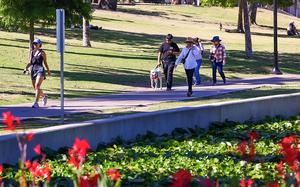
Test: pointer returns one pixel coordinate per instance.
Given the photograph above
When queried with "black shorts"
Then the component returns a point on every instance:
(38, 71)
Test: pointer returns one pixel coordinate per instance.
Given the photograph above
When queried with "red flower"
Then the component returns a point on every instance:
(37, 149)
(8, 120)
(274, 184)
(1, 171)
(290, 151)
(246, 183)
(252, 152)
(39, 171)
(30, 136)
(253, 136)
(27, 164)
(181, 178)
(87, 181)
(78, 152)
(241, 149)
(114, 174)
(279, 168)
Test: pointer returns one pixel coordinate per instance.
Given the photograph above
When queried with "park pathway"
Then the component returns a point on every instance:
(146, 96)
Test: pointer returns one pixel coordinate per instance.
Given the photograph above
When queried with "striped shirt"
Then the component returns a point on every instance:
(219, 53)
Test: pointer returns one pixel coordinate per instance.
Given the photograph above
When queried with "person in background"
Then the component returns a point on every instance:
(200, 48)
(292, 30)
(188, 57)
(218, 59)
(167, 54)
(38, 74)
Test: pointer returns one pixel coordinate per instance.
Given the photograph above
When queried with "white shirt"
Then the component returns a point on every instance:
(191, 60)
(200, 47)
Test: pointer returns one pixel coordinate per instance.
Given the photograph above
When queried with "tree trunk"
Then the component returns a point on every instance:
(240, 17)
(253, 10)
(31, 36)
(296, 8)
(86, 33)
(248, 42)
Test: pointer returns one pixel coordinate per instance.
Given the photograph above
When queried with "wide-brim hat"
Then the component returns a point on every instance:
(189, 40)
(216, 39)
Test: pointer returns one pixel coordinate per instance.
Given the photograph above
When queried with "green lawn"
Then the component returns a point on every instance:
(125, 50)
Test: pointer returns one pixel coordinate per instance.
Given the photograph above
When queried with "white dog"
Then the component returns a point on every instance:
(155, 76)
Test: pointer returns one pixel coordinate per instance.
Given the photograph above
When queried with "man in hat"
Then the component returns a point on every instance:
(218, 59)
(167, 54)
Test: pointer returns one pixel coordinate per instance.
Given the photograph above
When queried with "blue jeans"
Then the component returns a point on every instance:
(197, 69)
(218, 66)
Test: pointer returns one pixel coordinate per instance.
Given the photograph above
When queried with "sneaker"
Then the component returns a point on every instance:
(189, 94)
(224, 81)
(169, 89)
(35, 105)
(45, 99)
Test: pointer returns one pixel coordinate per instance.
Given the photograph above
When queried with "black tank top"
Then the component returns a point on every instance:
(38, 59)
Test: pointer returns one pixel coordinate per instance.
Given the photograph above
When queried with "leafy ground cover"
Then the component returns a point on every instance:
(125, 50)
(228, 153)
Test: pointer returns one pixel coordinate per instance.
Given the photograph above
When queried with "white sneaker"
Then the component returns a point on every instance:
(45, 99)
(35, 105)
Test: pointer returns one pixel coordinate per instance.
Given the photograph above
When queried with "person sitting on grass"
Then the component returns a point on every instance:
(292, 30)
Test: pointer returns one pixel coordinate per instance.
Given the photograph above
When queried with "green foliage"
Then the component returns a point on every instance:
(232, 3)
(18, 14)
(152, 159)
(222, 3)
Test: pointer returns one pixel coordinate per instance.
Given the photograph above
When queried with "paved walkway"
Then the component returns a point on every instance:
(145, 96)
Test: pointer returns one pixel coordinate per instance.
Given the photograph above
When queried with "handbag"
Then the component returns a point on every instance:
(184, 59)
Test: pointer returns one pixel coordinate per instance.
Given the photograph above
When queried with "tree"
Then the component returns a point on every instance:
(253, 12)
(248, 41)
(25, 14)
(296, 8)
(240, 26)
(86, 41)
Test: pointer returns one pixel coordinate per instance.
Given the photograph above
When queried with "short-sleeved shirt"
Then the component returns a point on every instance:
(164, 48)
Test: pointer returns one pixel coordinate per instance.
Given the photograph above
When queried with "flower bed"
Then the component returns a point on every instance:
(232, 154)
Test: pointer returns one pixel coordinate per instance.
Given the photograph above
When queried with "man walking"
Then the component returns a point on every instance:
(167, 54)
(217, 58)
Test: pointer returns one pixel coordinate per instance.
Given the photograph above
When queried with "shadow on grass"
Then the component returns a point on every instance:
(140, 12)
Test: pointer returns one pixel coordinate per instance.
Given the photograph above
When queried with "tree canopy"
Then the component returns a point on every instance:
(19, 14)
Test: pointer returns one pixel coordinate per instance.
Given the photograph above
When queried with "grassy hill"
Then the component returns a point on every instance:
(125, 50)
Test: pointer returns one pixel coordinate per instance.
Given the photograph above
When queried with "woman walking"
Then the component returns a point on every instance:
(37, 61)
(200, 47)
(189, 56)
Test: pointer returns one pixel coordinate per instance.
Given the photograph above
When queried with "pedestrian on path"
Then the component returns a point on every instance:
(218, 59)
(38, 60)
(188, 57)
(167, 54)
(200, 48)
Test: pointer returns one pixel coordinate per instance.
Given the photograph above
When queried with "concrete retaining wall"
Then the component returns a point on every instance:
(128, 127)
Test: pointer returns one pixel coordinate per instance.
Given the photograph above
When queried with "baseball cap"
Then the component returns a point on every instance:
(37, 41)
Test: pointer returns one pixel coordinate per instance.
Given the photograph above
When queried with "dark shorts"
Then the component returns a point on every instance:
(38, 71)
